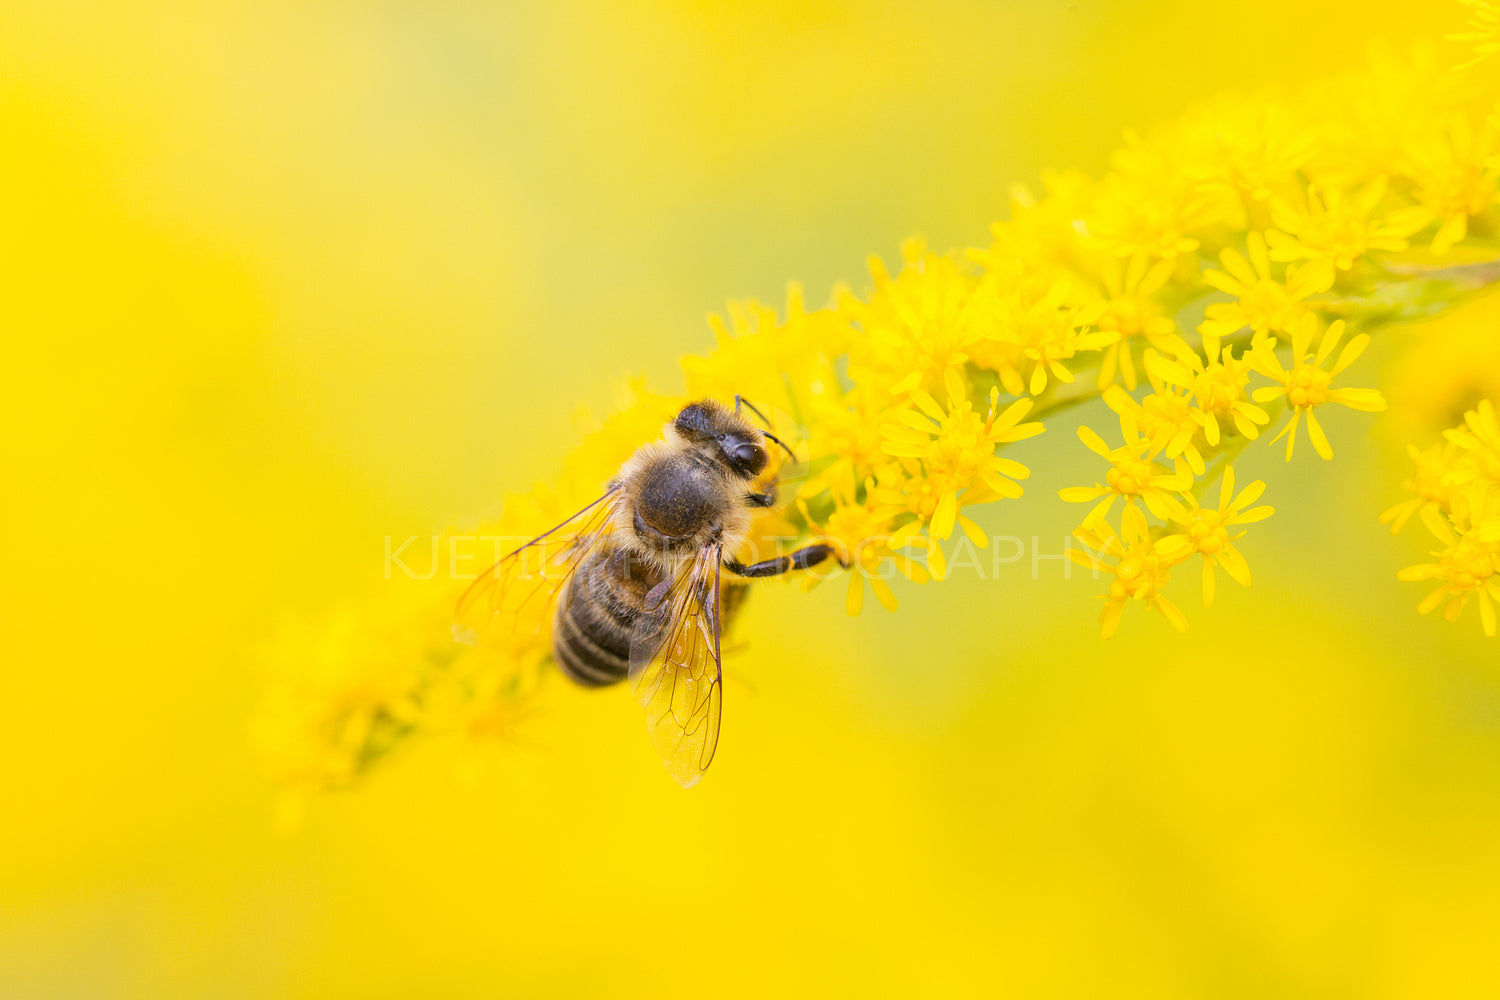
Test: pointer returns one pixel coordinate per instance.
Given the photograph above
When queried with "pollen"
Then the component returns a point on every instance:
(1129, 476)
(1137, 575)
(1206, 531)
(1219, 388)
(1307, 385)
(1164, 416)
(1468, 564)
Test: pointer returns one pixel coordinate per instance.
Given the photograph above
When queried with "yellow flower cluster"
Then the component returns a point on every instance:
(1217, 282)
(1455, 489)
(345, 693)
(1143, 558)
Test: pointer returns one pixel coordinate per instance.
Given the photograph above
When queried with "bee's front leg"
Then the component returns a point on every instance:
(802, 558)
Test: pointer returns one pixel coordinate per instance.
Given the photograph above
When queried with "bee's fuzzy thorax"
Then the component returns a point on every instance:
(677, 499)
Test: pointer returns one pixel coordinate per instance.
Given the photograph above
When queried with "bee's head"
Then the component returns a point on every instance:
(740, 445)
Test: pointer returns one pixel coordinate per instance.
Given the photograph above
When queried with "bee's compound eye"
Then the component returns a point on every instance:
(693, 424)
(750, 457)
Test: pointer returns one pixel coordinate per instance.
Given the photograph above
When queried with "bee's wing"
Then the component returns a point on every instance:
(674, 669)
(526, 581)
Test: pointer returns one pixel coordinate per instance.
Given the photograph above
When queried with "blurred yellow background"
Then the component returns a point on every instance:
(283, 279)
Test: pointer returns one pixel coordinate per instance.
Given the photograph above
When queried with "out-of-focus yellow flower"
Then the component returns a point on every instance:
(845, 432)
(915, 326)
(603, 444)
(1132, 475)
(345, 695)
(1034, 323)
(349, 690)
(1150, 206)
(1483, 33)
(1205, 530)
(1479, 438)
(760, 357)
(1307, 385)
(1457, 494)
(1253, 146)
(1130, 311)
(1466, 564)
(1335, 226)
(1436, 473)
(1455, 167)
(1450, 364)
(1042, 231)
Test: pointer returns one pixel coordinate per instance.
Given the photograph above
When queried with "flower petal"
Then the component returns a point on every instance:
(1012, 414)
(1019, 433)
(954, 383)
(1351, 351)
(1093, 442)
(1253, 514)
(1366, 400)
(1038, 379)
(883, 593)
(928, 404)
(973, 531)
(1438, 525)
(1331, 337)
(915, 421)
(1318, 438)
(1249, 494)
(1009, 467)
(944, 516)
(1171, 612)
(1234, 564)
(855, 598)
(1226, 487)
(1211, 429)
(1109, 618)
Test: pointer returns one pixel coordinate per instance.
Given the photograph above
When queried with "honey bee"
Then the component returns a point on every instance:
(637, 575)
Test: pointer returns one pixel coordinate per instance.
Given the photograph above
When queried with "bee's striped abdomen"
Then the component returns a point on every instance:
(591, 634)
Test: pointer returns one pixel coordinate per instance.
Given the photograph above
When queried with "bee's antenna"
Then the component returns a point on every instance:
(790, 453)
(740, 401)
